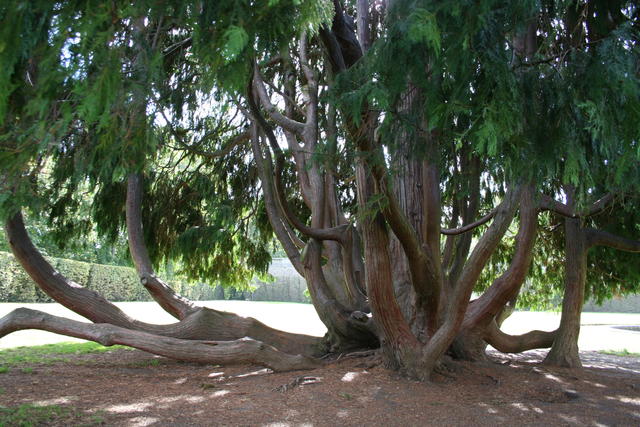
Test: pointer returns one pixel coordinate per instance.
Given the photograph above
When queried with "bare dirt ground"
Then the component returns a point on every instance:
(133, 388)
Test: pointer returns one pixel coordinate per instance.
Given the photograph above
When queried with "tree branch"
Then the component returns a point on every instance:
(459, 301)
(364, 34)
(204, 324)
(604, 238)
(468, 227)
(507, 286)
(282, 120)
(550, 204)
(518, 343)
(244, 350)
(173, 303)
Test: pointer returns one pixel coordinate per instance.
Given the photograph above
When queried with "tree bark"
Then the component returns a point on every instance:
(174, 304)
(244, 350)
(483, 312)
(564, 351)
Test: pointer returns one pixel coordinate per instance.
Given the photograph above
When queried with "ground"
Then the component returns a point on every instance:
(133, 388)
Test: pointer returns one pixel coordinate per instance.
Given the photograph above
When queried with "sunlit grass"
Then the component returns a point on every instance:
(48, 353)
(623, 353)
(33, 415)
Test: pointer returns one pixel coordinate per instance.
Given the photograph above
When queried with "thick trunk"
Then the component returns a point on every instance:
(400, 347)
(347, 329)
(243, 350)
(564, 351)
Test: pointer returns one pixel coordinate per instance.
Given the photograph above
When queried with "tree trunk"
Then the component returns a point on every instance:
(564, 351)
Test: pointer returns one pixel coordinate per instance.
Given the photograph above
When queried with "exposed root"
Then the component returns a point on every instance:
(245, 350)
(303, 380)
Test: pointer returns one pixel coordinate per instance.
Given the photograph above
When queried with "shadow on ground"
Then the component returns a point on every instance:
(133, 388)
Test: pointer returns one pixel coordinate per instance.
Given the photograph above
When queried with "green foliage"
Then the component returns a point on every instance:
(91, 91)
(116, 283)
(113, 282)
(99, 76)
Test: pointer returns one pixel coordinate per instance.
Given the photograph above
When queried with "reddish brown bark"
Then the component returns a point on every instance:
(564, 351)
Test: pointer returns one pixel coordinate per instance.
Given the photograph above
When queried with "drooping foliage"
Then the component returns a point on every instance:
(116, 87)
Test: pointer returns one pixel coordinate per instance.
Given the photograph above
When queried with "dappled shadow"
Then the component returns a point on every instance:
(136, 389)
(594, 395)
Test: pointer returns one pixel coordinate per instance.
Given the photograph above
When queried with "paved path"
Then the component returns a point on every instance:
(600, 331)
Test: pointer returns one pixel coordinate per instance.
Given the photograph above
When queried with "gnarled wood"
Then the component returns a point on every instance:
(244, 350)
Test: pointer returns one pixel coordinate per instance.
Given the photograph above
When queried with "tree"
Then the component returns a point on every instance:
(393, 157)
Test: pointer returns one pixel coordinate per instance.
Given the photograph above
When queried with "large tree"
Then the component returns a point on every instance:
(403, 153)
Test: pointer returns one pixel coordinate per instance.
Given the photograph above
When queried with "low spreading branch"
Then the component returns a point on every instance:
(245, 350)
(518, 343)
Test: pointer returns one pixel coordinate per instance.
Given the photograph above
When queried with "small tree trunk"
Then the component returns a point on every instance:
(564, 351)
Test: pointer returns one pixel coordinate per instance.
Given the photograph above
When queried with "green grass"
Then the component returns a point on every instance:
(47, 354)
(28, 415)
(27, 370)
(31, 415)
(623, 353)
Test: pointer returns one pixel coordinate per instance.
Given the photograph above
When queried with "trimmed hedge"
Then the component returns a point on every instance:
(113, 282)
(117, 283)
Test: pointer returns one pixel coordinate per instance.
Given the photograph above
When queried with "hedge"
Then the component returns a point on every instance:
(122, 284)
(113, 282)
